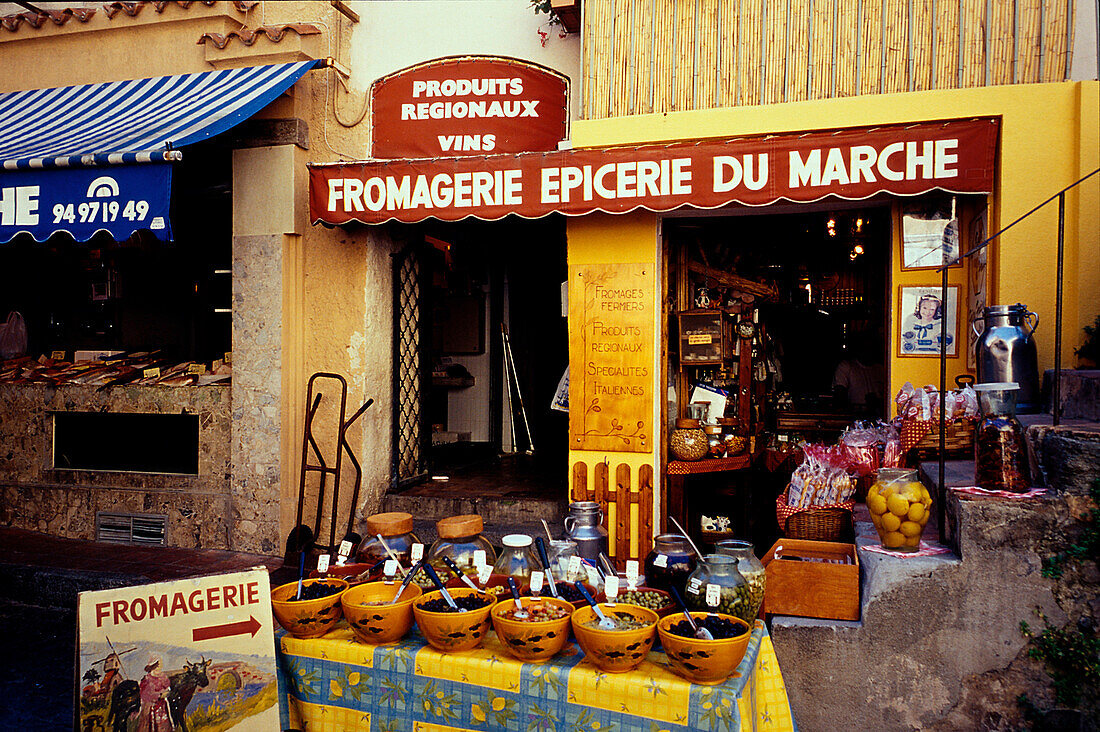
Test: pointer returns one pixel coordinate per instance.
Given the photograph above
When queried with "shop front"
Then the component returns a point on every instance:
(151, 240)
(737, 272)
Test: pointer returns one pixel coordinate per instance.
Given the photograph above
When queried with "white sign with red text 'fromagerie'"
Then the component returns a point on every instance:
(184, 651)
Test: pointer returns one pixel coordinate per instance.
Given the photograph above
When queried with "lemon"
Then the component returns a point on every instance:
(876, 519)
(911, 541)
(910, 528)
(924, 518)
(892, 539)
(924, 494)
(916, 511)
(897, 505)
(890, 522)
(876, 504)
(912, 491)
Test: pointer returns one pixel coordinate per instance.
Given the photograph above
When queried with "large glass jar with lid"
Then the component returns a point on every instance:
(460, 540)
(717, 586)
(1000, 450)
(396, 532)
(688, 441)
(900, 507)
(669, 563)
(751, 568)
(517, 558)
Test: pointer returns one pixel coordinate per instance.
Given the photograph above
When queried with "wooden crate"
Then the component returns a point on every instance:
(812, 589)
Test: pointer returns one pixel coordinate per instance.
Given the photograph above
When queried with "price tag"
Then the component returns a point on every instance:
(611, 589)
(57, 355)
(574, 566)
(661, 561)
(536, 582)
(151, 373)
(631, 574)
(322, 564)
(479, 559)
(593, 575)
(345, 548)
(714, 593)
(700, 340)
(196, 368)
(417, 552)
(694, 585)
(389, 569)
(341, 560)
(483, 574)
(228, 357)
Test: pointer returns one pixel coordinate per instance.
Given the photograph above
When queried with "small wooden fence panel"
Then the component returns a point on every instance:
(627, 503)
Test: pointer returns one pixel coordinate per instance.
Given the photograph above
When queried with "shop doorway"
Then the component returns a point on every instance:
(480, 345)
(803, 294)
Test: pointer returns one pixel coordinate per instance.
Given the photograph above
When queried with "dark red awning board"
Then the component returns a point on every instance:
(957, 156)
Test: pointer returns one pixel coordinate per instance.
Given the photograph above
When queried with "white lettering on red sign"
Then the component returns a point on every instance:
(926, 160)
(120, 612)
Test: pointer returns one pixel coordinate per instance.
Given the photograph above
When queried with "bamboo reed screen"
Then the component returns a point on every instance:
(644, 56)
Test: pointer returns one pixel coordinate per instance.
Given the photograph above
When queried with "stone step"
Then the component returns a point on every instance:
(492, 510)
(1080, 393)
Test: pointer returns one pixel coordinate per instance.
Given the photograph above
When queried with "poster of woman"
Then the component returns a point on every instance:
(921, 314)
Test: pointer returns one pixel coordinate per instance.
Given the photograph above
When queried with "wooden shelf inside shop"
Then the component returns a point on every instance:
(710, 465)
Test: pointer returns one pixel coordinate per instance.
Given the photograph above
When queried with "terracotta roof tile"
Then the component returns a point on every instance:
(60, 17)
(248, 36)
(37, 20)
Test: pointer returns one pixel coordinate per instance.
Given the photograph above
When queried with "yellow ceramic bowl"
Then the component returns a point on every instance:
(703, 661)
(461, 631)
(615, 651)
(527, 640)
(307, 618)
(377, 624)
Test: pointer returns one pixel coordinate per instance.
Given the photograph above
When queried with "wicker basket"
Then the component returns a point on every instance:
(820, 523)
(958, 439)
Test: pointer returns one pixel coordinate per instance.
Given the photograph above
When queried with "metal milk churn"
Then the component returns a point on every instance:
(584, 526)
(1006, 351)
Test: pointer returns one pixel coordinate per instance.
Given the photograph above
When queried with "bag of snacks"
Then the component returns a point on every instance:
(822, 479)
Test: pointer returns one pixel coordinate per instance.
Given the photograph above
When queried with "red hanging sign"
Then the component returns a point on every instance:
(956, 156)
(469, 105)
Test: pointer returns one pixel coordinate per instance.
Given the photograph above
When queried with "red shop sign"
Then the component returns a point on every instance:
(469, 105)
(906, 160)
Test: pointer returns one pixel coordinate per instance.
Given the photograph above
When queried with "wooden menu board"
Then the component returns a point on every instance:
(612, 367)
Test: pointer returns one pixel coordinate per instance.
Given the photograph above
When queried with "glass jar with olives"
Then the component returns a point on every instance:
(669, 563)
(717, 586)
(688, 441)
(751, 568)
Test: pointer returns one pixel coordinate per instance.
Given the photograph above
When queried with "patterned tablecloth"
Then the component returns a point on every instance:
(334, 683)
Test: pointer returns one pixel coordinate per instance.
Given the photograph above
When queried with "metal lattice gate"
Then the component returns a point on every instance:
(409, 453)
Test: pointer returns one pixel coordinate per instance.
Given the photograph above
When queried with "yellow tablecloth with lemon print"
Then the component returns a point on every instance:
(334, 684)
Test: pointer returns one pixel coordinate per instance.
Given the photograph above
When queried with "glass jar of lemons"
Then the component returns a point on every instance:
(899, 507)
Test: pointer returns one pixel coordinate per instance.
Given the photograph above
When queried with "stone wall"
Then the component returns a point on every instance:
(938, 645)
(36, 496)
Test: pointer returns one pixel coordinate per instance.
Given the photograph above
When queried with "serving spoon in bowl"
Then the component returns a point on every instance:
(701, 632)
(606, 623)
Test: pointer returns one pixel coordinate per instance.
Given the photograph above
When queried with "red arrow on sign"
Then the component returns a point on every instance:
(222, 631)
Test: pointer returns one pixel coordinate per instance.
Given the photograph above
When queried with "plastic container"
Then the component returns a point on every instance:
(669, 563)
(735, 443)
(1000, 449)
(900, 507)
(560, 552)
(517, 558)
(688, 442)
(716, 448)
(397, 531)
(460, 539)
(717, 586)
(751, 568)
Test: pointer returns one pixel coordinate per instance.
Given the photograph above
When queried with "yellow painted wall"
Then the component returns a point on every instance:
(597, 239)
(1049, 139)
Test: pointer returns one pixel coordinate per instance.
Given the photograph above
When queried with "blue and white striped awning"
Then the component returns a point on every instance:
(135, 121)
